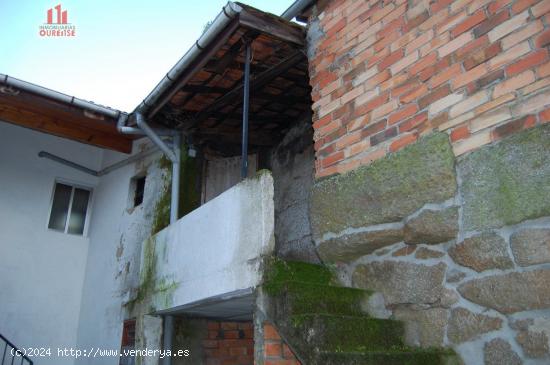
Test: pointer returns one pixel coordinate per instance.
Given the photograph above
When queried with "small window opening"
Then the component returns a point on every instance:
(69, 209)
(139, 191)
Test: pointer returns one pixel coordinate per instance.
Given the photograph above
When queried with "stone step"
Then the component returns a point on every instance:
(391, 357)
(309, 298)
(280, 271)
(327, 332)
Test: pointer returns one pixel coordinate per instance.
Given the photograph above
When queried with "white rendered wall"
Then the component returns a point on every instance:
(117, 233)
(41, 271)
(215, 249)
(59, 290)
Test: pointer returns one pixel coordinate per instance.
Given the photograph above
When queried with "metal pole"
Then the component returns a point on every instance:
(175, 198)
(246, 100)
(168, 333)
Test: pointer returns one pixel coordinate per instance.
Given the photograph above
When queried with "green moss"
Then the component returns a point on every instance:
(388, 189)
(392, 357)
(351, 333)
(278, 272)
(189, 193)
(304, 298)
(507, 182)
(151, 290)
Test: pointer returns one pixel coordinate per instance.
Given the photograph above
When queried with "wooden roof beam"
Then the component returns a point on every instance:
(255, 83)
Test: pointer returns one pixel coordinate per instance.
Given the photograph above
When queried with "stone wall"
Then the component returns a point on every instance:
(458, 248)
(385, 73)
(292, 165)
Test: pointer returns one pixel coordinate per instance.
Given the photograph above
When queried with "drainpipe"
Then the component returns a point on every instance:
(175, 196)
(173, 154)
(122, 128)
(167, 334)
(171, 150)
(246, 100)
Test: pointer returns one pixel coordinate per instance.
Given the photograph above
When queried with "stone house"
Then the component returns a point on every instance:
(366, 184)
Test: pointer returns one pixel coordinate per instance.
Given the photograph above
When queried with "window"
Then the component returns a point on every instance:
(139, 190)
(69, 209)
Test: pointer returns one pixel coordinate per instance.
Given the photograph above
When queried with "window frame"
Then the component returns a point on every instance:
(74, 185)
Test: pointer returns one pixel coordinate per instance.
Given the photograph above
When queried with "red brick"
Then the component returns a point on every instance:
(514, 83)
(490, 78)
(469, 23)
(402, 114)
(491, 22)
(439, 119)
(388, 38)
(460, 133)
(440, 4)
(316, 125)
(466, 51)
(416, 21)
(270, 333)
(413, 122)
(391, 59)
(414, 94)
(543, 39)
(544, 116)
(231, 334)
(383, 136)
(335, 135)
(402, 142)
(495, 6)
(544, 70)
(210, 344)
(423, 63)
(374, 128)
(287, 352)
(377, 80)
(213, 325)
(470, 76)
(437, 94)
(521, 5)
(273, 349)
(332, 159)
(482, 55)
(445, 75)
(512, 127)
(338, 26)
(533, 59)
(374, 103)
(541, 8)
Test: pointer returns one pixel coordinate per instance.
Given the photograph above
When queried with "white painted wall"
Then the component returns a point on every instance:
(59, 290)
(217, 248)
(41, 271)
(112, 267)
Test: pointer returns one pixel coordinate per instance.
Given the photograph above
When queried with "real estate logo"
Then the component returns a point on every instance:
(61, 27)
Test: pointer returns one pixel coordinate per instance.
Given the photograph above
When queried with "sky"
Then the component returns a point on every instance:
(121, 50)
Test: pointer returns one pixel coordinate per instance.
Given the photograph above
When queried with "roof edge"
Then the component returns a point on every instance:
(229, 12)
(60, 97)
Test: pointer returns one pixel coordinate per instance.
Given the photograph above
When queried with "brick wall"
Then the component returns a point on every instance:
(229, 343)
(385, 72)
(276, 351)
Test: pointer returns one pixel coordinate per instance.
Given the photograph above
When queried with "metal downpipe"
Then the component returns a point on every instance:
(173, 155)
(175, 194)
(167, 335)
(246, 102)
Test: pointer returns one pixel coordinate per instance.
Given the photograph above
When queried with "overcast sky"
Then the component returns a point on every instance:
(121, 50)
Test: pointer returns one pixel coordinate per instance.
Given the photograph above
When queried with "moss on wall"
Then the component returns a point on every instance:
(189, 192)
